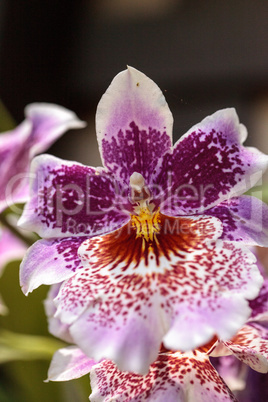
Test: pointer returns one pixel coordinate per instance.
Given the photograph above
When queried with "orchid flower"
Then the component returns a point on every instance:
(43, 125)
(174, 376)
(151, 249)
(238, 375)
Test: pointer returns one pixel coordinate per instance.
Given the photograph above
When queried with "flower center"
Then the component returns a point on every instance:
(145, 221)
(139, 191)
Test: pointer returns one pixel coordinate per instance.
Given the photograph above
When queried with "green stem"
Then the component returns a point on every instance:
(14, 230)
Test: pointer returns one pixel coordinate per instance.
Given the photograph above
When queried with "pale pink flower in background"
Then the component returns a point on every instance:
(44, 123)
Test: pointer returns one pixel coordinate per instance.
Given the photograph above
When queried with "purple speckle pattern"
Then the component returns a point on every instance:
(174, 376)
(244, 219)
(119, 292)
(50, 261)
(66, 249)
(134, 150)
(115, 302)
(203, 168)
(74, 200)
(250, 345)
(229, 220)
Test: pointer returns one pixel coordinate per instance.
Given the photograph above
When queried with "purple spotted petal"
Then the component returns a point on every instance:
(208, 165)
(132, 344)
(172, 377)
(131, 296)
(250, 345)
(69, 199)
(69, 363)
(134, 125)
(50, 261)
(44, 124)
(245, 219)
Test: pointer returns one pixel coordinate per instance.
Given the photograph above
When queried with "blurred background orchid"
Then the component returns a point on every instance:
(207, 55)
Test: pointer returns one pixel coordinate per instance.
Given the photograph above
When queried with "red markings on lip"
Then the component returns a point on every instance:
(134, 243)
(205, 348)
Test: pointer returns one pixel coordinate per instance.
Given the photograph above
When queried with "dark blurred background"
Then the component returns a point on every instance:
(204, 55)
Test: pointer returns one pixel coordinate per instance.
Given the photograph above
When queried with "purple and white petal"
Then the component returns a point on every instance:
(250, 345)
(44, 123)
(69, 363)
(49, 122)
(133, 124)
(172, 377)
(259, 305)
(245, 219)
(50, 261)
(70, 199)
(208, 165)
(55, 326)
(12, 162)
(182, 289)
(132, 343)
(11, 248)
